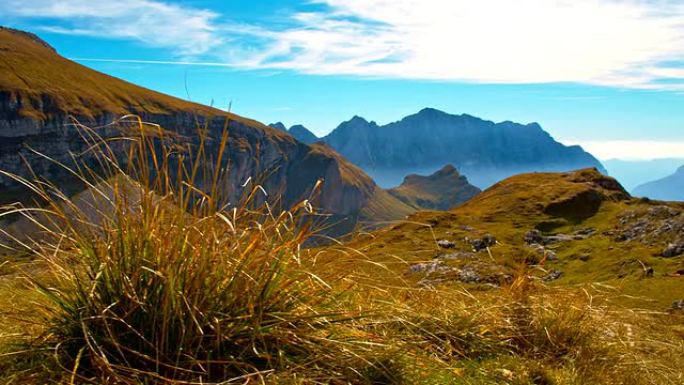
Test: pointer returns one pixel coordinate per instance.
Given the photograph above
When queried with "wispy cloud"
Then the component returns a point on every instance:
(631, 149)
(189, 31)
(617, 43)
(603, 42)
(164, 62)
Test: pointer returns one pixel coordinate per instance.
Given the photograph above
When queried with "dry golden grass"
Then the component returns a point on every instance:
(153, 280)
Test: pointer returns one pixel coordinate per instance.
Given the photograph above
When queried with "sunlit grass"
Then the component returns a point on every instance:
(153, 275)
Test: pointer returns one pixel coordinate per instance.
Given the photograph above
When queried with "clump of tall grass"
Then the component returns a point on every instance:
(157, 277)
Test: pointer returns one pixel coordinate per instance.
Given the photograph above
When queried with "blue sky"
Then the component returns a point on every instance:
(608, 74)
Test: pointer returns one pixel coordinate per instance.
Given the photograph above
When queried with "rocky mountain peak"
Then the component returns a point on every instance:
(278, 126)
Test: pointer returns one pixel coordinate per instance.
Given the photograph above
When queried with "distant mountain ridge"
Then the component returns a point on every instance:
(670, 188)
(298, 131)
(443, 190)
(423, 142)
(633, 173)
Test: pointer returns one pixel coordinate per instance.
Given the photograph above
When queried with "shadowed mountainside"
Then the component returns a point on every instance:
(483, 150)
(670, 188)
(298, 131)
(442, 190)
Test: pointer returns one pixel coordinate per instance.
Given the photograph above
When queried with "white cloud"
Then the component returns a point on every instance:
(618, 43)
(188, 30)
(631, 149)
(604, 42)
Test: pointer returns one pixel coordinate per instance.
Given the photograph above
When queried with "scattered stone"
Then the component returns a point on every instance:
(469, 275)
(558, 238)
(428, 267)
(456, 255)
(483, 243)
(586, 232)
(445, 244)
(543, 252)
(651, 226)
(663, 211)
(677, 305)
(584, 257)
(550, 255)
(534, 237)
(649, 272)
(552, 276)
(674, 249)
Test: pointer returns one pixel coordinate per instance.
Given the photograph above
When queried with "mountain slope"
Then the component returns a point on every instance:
(40, 92)
(670, 188)
(442, 190)
(303, 134)
(483, 150)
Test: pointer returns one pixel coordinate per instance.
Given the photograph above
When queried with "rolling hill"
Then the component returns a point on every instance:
(569, 228)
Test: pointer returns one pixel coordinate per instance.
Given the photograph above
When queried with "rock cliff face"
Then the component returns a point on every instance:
(442, 190)
(41, 93)
(670, 188)
(483, 150)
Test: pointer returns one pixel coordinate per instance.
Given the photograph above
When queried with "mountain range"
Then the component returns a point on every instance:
(670, 188)
(426, 141)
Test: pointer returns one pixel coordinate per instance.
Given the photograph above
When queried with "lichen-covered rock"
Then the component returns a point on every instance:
(483, 243)
(674, 249)
(446, 244)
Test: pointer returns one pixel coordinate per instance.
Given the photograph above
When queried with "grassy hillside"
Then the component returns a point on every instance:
(45, 84)
(596, 233)
(162, 298)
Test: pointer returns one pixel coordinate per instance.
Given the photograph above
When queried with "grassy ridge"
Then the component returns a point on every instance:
(46, 85)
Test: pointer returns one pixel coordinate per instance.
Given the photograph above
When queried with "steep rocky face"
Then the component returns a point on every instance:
(442, 190)
(41, 92)
(484, 150)
(670, 188)
(303, 134)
